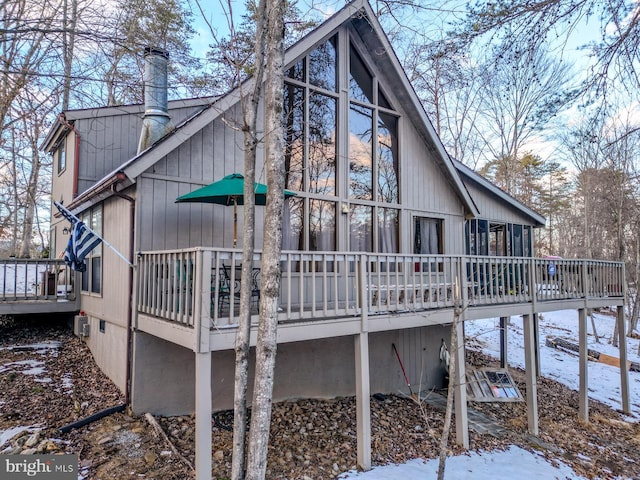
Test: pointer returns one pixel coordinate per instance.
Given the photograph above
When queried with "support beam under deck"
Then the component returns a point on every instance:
(530, 373)
(504, 322)
(583, 369)
(460, 389)
(363, 398)
(624, 366)
(203, 416)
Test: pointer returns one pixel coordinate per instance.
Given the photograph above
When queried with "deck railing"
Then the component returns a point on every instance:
(23, 279)
(204, 283)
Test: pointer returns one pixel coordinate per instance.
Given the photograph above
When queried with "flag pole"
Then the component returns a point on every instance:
(61, 207)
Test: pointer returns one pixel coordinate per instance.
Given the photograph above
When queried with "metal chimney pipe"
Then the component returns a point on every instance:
(156, 122)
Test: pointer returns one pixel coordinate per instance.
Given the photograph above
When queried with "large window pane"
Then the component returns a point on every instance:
(497, 234)
(427, 238)
(360, 80)
(388, 230)
(517, 241)
(96, 226)
(382, 100)
(297, 71)
(85, 281)
(322, 144)
(483, 238)
(62, 156)
(360, 226)
(322, 66)
(96, 274)
(387, 151)
(293, 224)
(360, 152)
(526, 241)
(294, 136)
(322, 225)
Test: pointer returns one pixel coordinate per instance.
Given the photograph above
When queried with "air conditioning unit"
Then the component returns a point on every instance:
(81, 326)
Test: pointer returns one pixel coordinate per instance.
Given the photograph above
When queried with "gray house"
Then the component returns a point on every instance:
(385, 238)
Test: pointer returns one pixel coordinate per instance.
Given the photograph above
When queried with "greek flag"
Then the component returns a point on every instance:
(81, 242)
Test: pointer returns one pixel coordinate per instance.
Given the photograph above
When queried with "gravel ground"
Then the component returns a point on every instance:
(56, 383)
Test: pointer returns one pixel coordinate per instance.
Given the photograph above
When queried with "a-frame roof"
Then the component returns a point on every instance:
(363, 19)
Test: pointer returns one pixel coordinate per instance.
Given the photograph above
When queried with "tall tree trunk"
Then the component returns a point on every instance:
(274, 157)
(250, 113)
(14, 192)
(453, 365)
(31, 191)
(68, 43)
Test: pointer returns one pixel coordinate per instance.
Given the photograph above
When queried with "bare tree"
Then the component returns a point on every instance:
(250, 104)
(524, 91)
(525, 22)
(31, 168)
(456, 343)
(69, 22)
(132, 26)
(274, 159)
(450, 89)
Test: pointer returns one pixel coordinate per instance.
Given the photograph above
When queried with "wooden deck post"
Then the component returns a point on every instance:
(460, 386)
(536, 340)
(624, 366)
(363, 407)
(460, 390)
(504, 321)
(530, 373)
(203, 416)
(583, 369)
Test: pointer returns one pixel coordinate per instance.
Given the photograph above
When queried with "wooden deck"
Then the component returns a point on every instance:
(184, 297)
(36, 286)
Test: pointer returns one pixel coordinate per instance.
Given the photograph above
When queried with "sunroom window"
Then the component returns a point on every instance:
(322, 66)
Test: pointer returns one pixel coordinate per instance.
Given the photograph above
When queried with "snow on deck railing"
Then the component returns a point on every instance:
(184, 285)
(35, 279)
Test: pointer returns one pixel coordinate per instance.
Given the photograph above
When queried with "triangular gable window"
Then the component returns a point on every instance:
(297, 71)
(360, 80)
(382, 100)
(322, 66)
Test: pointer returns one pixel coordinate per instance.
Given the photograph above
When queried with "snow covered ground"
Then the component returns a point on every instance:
(603, 383)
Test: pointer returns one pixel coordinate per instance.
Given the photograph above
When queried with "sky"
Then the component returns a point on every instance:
(603, 381)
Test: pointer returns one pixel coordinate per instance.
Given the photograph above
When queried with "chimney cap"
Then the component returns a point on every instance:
(156, 51)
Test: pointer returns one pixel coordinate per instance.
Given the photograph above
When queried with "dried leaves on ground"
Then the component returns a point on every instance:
(56, 383)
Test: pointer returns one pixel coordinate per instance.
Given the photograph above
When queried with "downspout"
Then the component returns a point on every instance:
(131, 200)
(76, 153)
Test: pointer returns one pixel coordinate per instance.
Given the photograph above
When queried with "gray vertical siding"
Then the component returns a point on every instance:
(491, 208)
(205, 157)
(109, 137)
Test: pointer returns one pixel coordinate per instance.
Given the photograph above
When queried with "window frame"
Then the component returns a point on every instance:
(376, 204)
(92, 281)
(61, 155)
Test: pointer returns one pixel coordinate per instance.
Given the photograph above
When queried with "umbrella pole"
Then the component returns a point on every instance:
(235, 221)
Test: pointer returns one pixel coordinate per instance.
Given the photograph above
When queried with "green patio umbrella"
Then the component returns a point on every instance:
(229, 191)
